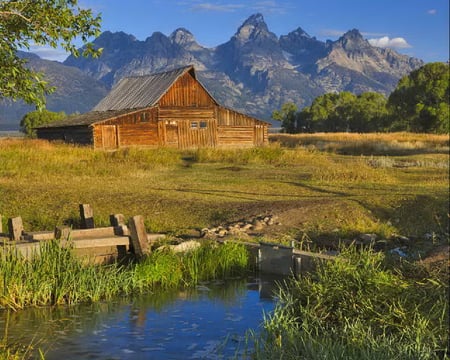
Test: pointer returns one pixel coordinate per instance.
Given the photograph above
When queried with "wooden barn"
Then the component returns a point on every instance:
(166, 109)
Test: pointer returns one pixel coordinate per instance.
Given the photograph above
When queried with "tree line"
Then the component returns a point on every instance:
(420, 103)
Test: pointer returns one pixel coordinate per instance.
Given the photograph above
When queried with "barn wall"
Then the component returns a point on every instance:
(76, 134)
(135, 129)
(186, 92)
(236, 129)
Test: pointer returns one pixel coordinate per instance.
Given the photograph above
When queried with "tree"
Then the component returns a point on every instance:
(38, 117)
(42, 22)
(369, 113)
(332, 112)
(420, 101)
(288, 117)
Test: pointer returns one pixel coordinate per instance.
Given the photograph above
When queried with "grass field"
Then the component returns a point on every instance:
(323, 188)
(315, 193)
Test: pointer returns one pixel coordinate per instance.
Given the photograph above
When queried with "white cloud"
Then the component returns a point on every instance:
(432, 12)
(386, 42)
(216, 7)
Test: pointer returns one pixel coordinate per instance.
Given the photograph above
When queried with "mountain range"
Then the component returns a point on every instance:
(254, 72)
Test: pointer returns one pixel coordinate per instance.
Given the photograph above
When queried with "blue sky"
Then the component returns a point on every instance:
(418, 28)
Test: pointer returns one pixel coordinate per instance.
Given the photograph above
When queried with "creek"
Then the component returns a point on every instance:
(206, 322)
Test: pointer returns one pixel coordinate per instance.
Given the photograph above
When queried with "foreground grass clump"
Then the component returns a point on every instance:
(58, 277)
(356, 308)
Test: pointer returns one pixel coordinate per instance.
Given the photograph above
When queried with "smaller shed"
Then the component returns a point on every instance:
(165, 109)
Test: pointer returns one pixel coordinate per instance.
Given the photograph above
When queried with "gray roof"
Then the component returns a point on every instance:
(85, 119)
(141, 91)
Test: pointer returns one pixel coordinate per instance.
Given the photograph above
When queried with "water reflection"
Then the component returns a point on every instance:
(207, 322)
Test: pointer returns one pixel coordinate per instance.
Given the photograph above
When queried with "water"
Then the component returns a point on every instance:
(208, 322)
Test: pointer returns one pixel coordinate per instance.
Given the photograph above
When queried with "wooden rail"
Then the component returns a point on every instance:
(100, 245)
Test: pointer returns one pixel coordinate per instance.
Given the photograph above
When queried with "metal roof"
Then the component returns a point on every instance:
(141, 91)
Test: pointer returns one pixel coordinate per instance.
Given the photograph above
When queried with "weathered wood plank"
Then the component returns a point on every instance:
(138, 236)
(97, 242)
(39, 235)
(75, 234)
(117, 219)
(87, 216)
(15, 226)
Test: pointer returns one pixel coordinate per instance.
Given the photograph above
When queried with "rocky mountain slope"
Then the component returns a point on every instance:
(255, 71)
(75, 91)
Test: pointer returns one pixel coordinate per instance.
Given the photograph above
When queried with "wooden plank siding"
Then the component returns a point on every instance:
(236, 129)
(186, 92)
(139, 128)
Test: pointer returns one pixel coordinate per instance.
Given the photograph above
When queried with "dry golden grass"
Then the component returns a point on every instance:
(371, 143)
(180, 190)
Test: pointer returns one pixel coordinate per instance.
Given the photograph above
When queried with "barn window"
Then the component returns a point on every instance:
(194, 125)
(144, 117)
(203, 124)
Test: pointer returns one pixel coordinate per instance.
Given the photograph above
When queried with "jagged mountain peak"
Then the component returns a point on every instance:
(299, 32)
(353, 34)
(254, 28)
(108, 37)
(353, 40)
(182, 36)
(255, 20)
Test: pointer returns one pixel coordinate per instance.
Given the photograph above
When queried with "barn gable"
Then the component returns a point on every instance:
(167, 89)
(165, 109)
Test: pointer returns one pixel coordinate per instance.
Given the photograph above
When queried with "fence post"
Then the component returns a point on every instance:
(15, 226)
(62, 233)
(138, 236)
(87, 216)
(117, 220)
(1, 225)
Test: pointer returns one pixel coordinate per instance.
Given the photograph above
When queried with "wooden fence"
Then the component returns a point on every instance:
(99, 245)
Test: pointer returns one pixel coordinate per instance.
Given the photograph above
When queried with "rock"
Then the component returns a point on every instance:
(380, 245)
(257, 225)
(185, 246)
(222, 233)
(400, 251)
(402, 239)
(247, 227)
(368, 239)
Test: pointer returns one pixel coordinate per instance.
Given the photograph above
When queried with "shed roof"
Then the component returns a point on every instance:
(142, 91)
(85, 119)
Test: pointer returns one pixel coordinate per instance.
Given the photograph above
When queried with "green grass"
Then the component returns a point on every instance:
(58, 277)
(359, 308)
(326, 188)
(180, 190)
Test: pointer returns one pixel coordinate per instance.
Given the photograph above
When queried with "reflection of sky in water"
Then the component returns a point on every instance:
(207, 323)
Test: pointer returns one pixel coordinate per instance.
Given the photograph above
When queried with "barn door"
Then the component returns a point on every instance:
(109, 137)
(259, 135)
(171, 133)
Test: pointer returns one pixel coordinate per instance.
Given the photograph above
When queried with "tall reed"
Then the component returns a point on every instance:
(56, 276)
(358, 309)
